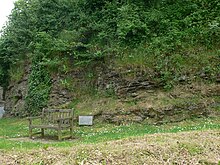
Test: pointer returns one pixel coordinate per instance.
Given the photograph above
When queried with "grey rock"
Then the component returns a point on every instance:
(1, 93)
(1, 112)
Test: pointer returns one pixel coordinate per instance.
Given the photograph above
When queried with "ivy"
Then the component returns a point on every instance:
(39, 85)
(39, 81)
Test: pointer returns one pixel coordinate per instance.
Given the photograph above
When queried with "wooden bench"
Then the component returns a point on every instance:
(57, 119)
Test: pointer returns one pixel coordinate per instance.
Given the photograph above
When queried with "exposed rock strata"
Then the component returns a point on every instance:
(109, 80)
(173, 113)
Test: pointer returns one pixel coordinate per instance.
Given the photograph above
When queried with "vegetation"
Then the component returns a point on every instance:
(133, 143)
(17, 130)
(167, 36)
(171, 41)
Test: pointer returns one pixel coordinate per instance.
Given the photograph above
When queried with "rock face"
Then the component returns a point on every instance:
(121, 86)
(1, 97)
(173, 113)
(65, 86)
(1, 94)
(1, 103)
(63, 92)
(130, 88)
(59, 95)
(15, 97)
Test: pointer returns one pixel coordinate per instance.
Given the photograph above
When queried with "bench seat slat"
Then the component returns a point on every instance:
(50, 126)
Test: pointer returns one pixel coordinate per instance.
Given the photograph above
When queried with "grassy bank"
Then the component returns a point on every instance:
(188, 142)
(14, 133)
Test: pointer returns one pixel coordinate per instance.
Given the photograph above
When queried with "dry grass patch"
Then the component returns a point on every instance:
(196, 147)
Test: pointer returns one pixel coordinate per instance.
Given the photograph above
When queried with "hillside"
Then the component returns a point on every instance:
(122, 61)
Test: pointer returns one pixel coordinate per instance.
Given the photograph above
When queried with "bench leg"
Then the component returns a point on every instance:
(42, 132)
(59, 134)
(30, 132)
(71, 133)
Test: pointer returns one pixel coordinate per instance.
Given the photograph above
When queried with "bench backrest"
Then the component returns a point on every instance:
(50, 116)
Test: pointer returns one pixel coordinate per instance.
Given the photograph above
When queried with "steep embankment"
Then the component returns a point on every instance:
(118, 57)
(116, 98)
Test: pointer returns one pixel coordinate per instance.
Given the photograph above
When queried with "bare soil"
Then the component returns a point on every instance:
(194, 147)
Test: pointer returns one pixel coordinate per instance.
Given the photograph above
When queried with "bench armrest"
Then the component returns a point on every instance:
(30, 119)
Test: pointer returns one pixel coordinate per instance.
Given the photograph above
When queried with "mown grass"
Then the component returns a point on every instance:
(14, 132)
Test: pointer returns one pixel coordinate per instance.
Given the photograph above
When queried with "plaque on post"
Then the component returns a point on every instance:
(85, 120)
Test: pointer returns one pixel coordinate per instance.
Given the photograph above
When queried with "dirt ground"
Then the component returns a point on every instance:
(194, 147)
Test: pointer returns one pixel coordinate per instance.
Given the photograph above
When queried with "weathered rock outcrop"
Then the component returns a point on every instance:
(65, 86)
(1, 94)
(121, 85)
(15, 97)
(173, 113)
(1, 103)
(59, 95)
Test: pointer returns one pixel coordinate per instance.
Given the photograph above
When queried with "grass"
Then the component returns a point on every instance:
(190, 61)
(193, 141)
(13, 131)
(17, 72)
